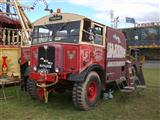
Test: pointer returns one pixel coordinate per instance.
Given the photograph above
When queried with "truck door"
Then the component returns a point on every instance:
(93, 44)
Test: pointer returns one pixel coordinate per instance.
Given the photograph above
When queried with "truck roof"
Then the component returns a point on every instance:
(66, 17)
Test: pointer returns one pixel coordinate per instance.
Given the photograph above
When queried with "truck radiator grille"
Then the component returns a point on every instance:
(46, 59)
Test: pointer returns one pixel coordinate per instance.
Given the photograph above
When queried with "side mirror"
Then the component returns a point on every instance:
(91, 37)
(91, 34)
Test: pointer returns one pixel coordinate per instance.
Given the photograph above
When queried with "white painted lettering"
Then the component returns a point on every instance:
(115, 51)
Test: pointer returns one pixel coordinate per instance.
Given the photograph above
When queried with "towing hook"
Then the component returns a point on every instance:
(44, 87)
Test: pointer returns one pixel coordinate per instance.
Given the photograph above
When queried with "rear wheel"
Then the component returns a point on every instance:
(86, 94)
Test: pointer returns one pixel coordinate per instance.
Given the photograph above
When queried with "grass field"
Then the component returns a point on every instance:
(140, 105)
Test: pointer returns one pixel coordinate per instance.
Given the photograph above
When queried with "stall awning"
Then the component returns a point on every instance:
(5, 21)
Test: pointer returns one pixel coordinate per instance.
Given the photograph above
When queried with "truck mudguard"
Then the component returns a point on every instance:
(80, 77)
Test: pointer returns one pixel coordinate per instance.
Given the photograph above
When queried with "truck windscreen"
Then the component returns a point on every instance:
(60, 32)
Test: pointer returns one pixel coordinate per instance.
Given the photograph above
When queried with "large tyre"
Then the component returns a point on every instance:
(32, 89)
(86, 94)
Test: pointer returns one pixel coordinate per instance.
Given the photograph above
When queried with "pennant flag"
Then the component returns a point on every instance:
(130, 20)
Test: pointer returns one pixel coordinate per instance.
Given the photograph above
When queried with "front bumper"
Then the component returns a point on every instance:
(41, 77)
(51, 77)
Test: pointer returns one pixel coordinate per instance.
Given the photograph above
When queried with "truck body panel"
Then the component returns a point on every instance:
(115, 54)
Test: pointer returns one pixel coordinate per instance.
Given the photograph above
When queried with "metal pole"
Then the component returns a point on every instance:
(111, 14)
(21, 19)
(8, 8)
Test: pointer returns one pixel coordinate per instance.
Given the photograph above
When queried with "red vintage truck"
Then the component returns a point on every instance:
(73, 52)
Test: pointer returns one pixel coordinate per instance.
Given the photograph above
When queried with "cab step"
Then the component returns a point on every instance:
(127, 89)
(141, 86)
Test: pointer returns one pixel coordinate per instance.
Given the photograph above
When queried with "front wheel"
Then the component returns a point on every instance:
(35, 92)
(32, 88)
(86, 94)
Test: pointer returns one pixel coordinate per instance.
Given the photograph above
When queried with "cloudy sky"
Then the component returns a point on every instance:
(99, 10)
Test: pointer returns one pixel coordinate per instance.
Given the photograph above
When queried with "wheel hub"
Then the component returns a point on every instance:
(92, 91)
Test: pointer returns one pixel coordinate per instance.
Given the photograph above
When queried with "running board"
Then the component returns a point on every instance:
(141, 86)
(127, 89)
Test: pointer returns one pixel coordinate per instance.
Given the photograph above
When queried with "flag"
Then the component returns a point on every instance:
(130, 20)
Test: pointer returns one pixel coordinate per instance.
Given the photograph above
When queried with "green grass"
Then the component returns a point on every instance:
(140, 105)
